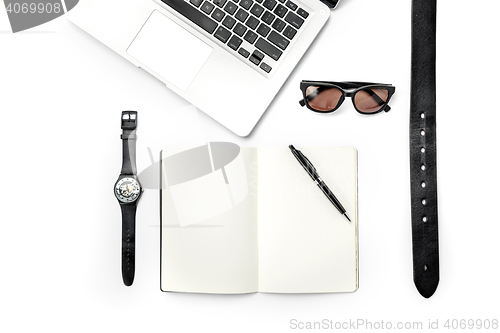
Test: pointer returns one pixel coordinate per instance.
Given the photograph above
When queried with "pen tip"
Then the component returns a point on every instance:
(291, 147)
(347, 217)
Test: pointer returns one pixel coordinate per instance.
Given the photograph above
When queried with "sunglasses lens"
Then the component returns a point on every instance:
(371, 100)
(322, 98)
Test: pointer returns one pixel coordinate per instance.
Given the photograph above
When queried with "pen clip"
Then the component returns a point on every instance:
(309, 165)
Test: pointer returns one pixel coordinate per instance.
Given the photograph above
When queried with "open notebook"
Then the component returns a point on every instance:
(242, 220)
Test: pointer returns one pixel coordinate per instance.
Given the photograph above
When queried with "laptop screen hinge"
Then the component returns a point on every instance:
(330, 3)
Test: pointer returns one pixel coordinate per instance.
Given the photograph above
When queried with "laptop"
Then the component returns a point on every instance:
(229, 58)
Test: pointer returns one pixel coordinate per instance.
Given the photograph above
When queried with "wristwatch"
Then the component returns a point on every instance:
(128, 191)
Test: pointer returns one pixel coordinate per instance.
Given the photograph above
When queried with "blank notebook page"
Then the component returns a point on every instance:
(305, 244)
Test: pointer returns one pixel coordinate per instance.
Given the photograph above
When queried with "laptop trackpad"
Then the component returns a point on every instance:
(169, 50)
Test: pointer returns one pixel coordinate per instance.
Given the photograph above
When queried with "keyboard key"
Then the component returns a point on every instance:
(268, 17)
(207, 7)
(252, 22)
(291, 5)
(234, 43)
(280, 11)
(222, 34)
(196, 3)
(289, 32)
(218, 15)
(254, 60)
(268, 49)
(241, 15)
(302, 13)
(257, 10)
(278, 40)
(257, 54)
(263, 30)
(278, 25)
(294, 20)
(265, 67)
(269, 4)
(244, 52)
(219, 3)
(246, 3)
(231, 7)
(251, 36)
(282, 1)
(239, 29)
(229, 22)
(192, 14)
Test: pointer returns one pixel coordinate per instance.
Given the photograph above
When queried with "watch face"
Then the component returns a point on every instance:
(127, 189)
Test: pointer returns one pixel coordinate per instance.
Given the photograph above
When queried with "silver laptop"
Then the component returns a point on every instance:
(229, 58)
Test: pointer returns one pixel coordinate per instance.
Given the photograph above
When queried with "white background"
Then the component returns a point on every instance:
(61, 94)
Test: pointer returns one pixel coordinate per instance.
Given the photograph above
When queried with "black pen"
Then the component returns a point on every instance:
(311, 170)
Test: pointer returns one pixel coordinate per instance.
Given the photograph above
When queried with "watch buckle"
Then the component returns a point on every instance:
(129, 120)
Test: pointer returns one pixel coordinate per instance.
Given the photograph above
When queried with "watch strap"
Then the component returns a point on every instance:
(423, 167)
(129, 126)
(128, 243)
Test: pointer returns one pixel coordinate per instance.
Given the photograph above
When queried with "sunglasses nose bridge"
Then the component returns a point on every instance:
(349, 94)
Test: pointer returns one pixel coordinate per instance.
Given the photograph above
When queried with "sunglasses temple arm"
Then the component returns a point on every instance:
(362, 84)
(312, 95)
(375, 97)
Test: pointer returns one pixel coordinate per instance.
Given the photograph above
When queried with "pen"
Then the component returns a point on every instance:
(311, 170)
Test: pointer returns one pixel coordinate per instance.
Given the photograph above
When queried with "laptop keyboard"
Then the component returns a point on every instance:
(257, 30)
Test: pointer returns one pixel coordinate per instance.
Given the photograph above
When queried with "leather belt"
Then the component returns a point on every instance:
(423, 172)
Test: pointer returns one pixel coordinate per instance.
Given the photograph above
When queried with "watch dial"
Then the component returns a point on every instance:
(127, 189)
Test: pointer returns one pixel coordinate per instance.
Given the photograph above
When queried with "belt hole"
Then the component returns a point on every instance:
(425, 268)
(423, 184)
(422, 150)
(424, 219)
(424, 202)
(422, 132)
(423, 167)
(422, 115)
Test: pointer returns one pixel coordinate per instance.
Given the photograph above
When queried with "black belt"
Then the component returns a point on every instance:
(424, 214)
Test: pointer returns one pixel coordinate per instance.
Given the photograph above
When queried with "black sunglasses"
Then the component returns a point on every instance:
(367, 98)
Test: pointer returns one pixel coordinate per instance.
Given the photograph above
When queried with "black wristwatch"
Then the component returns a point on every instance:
(128, 191)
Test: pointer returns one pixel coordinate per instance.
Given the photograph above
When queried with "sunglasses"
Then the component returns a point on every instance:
(367, 98)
